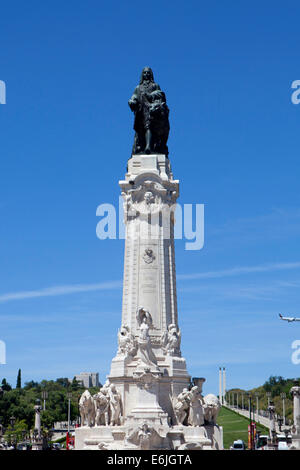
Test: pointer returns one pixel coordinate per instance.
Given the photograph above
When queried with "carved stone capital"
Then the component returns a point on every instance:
(149, 197)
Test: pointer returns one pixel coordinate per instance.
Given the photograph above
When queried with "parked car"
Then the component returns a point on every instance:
(56, 446)
(238, 445)
(284, 442)
(262, 442)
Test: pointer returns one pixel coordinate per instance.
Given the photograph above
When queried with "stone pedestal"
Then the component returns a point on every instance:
(147, 407)
(148, 369)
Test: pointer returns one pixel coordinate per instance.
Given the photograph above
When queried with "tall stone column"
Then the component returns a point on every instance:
(37, 420)
(295, 391)
(37, 440)
(150, 193)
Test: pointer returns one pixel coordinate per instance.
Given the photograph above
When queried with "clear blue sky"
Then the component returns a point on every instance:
(66, 135)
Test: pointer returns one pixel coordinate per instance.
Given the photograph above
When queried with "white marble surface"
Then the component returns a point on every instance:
(148, 370)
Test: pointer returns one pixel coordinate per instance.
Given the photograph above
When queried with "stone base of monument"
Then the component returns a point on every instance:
(161, 437)
(149, 390)
(141, 388)
(148, 420)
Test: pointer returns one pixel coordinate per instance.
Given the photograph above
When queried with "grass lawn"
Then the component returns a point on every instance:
(235, 427)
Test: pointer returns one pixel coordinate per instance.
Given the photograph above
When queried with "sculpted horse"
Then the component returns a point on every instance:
(211, 408)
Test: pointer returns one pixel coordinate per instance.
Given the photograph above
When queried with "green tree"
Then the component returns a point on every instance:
(20, 402)
(75, 385)
(47, 420)
(16, 434)
(5, 386)
(31, 384)
(19, 382)
(63, 381)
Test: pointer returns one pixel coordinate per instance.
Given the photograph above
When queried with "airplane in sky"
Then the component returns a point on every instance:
(289, 319)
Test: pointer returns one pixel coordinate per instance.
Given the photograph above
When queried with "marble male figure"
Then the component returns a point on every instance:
(151, 122)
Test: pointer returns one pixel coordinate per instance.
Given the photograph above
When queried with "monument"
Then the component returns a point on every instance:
(149, 400)
(37, 441)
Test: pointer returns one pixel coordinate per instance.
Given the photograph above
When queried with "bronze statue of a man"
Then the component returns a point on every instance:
(151, 123)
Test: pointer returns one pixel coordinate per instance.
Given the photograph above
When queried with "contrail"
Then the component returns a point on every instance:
(111, 285)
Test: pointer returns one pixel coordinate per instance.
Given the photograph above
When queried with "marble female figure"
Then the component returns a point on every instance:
(145, 353)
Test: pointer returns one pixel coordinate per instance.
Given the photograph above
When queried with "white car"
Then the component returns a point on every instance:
(238, 445)
(284, 442)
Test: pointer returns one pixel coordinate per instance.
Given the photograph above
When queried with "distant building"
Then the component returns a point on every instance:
(88, 379)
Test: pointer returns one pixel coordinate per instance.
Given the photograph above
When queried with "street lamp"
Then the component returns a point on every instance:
(69, 396)
(268, 394)
(44, 397)
(257, 407)
(249, 403)
(283, 396)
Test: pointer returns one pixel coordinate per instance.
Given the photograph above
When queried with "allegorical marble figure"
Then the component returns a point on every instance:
(145, 353)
